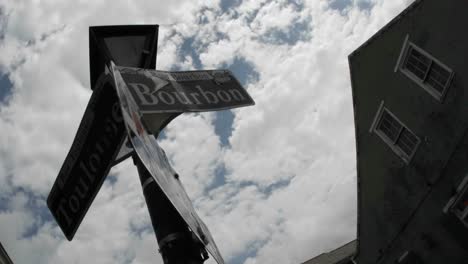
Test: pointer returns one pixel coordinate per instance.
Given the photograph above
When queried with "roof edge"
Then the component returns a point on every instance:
(396, 19)
(358, 182)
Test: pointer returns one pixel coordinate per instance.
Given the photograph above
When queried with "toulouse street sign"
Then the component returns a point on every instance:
(96, 144)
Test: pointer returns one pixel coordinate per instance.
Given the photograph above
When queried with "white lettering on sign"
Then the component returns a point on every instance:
(153, 96)
(75, 149)
(89, 168)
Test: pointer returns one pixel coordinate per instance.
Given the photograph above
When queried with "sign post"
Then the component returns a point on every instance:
(176, 243)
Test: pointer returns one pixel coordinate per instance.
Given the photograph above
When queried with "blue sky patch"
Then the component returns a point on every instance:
(112, 178)
(5, 88)
(251, 252)
(37, 206)
(226, 5)
(243, 70)
(245, 73)
(365, 5)
(4, 203)
(3, 23)
(299, 31)
(275, 186)
(241, 258)
(340, 4)
(223, 126)
(220, 178)
(141, 230)
(189, 48)
(192, 47)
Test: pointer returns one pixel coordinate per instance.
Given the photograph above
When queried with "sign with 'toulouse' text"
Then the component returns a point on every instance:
(94, 149)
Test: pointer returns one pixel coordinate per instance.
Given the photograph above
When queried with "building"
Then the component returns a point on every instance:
(341, 255)
(4, 258)
(410, 97)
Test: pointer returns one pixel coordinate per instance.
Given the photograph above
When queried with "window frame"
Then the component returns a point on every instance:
(455, 199)
(393, 144)
(402, 58)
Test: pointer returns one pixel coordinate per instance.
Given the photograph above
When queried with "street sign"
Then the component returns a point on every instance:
(156, 162)
(186, 91)
(161, 96)
(95, 147)
(97, 144)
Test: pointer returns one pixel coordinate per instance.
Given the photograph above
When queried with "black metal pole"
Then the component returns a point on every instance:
(177, 244)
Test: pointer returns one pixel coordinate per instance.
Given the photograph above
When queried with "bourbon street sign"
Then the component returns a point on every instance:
(187, 91)
(156, 162)
(95, 147)
(161, 96)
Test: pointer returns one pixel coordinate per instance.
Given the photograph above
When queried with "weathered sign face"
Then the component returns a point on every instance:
(155, 161)
(188, 91)
(90, 158)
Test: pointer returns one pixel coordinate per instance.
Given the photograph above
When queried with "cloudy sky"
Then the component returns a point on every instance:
(276, 182)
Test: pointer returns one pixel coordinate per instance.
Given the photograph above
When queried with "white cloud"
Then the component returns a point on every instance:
(195, 151)
(289, 191)
(274, 15)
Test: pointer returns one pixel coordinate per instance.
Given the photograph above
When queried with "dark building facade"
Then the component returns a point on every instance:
(410, 97)
(341, 255)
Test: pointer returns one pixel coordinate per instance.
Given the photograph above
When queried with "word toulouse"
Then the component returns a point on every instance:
(91, 167)
(96, 144)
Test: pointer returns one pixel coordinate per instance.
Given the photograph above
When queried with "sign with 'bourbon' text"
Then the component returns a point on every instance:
(186, 91)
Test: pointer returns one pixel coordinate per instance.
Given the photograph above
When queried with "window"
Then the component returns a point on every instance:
(424, 69)
(458, 204)
(393, 132)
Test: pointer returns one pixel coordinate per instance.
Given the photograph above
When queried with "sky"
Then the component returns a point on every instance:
(274, 182)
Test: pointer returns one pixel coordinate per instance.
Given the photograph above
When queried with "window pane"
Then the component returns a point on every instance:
(438, 77)
(389, 126)
(417, 63)
(407, 142)
(425, 70)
